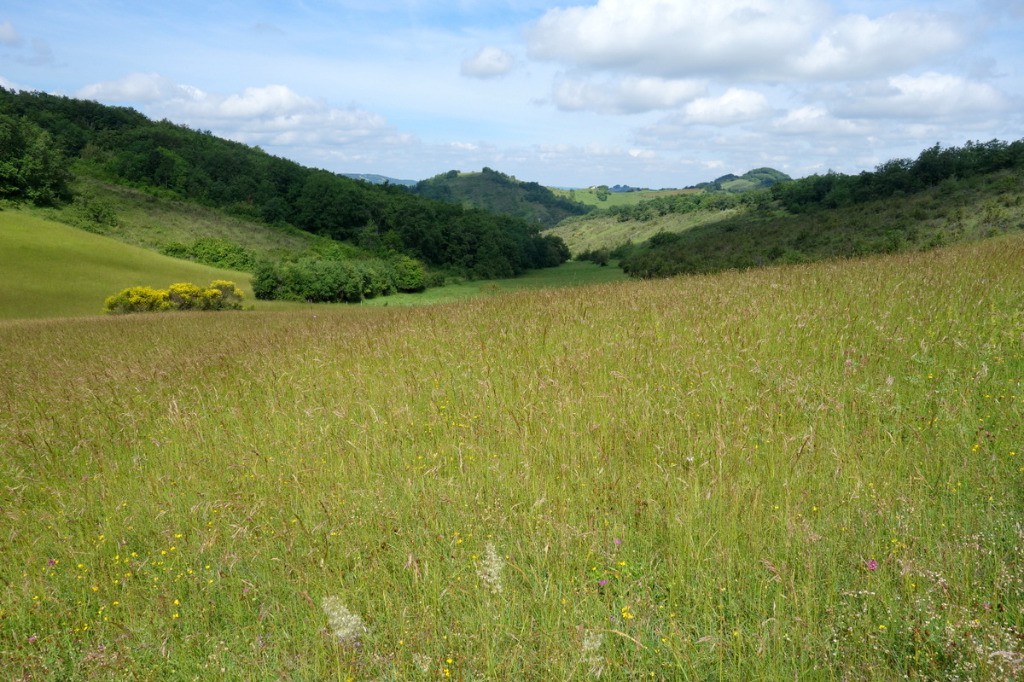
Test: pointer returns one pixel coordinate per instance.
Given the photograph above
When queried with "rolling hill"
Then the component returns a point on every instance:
(500, 193)
(53, 270)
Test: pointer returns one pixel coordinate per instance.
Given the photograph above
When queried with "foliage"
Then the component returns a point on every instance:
(32, 168)
(220, 295)
(320, 280)
(900, 176)
(409, 274)
(501, 193)
(219, 253)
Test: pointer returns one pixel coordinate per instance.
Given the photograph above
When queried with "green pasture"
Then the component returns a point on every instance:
(589, 196)
(53, 270)
(811, 472)
(608, 231)
(570, 274)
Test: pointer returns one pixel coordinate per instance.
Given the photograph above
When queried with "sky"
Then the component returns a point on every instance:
(648, 93)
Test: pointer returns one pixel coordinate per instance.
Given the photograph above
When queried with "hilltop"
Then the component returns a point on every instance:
(759, 178)
(500, 193)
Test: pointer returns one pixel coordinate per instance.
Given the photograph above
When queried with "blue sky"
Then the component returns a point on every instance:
(654, 93)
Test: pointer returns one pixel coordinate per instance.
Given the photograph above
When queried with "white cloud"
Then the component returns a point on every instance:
(817, 121)
(856, 45)
(734, 106)
(8, 35)
(273, 115)
(740, 38)
(489, 62)
(928, 96)
(677, 39)
(629, 95)
(143, 88)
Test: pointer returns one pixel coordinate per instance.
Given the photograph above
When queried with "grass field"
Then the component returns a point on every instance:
(608, 231)
(52, 270)
(812, 473)
(589, 196)
(570, 274)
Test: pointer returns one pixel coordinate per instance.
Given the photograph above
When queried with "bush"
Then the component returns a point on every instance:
(220, 295)
(410, 275)
(138, 300)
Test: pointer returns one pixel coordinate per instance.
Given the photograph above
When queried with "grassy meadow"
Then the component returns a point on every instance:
(589, 196)
(591, 233)
(53, 270)
(813, 472)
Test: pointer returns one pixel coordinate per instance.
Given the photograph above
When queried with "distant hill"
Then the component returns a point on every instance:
(759, 178)
(374, 179)
(499, 193)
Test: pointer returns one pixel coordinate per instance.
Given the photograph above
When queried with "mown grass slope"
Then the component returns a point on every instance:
(811, 472)
(608, 231)
(53, 270)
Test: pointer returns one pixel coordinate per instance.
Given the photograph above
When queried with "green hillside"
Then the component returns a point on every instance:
(53, 270)
(943, 197)
(500, 193)
(50, 139)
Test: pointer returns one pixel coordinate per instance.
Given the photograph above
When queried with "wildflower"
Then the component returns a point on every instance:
(871, 564)
(490, 570)
(602, 582)
(345, 625)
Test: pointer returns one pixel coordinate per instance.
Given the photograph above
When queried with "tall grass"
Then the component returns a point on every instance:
(811, 472)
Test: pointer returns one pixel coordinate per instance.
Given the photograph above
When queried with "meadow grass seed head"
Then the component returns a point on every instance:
(345, 625)
(591, 658)
(490, 568)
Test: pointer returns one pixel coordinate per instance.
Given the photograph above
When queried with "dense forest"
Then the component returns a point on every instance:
(43, 138)
(501, 193)
(944, 195)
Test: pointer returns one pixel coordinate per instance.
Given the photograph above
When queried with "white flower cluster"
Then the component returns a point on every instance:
(347, 626)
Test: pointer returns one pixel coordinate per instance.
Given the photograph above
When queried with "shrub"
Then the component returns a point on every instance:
(410, 275)
(230, 295)
(187, 296)
(137, 300)
(220, 295)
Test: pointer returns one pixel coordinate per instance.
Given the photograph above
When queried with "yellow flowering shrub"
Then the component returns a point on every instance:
(220, 295)
(138, 300)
